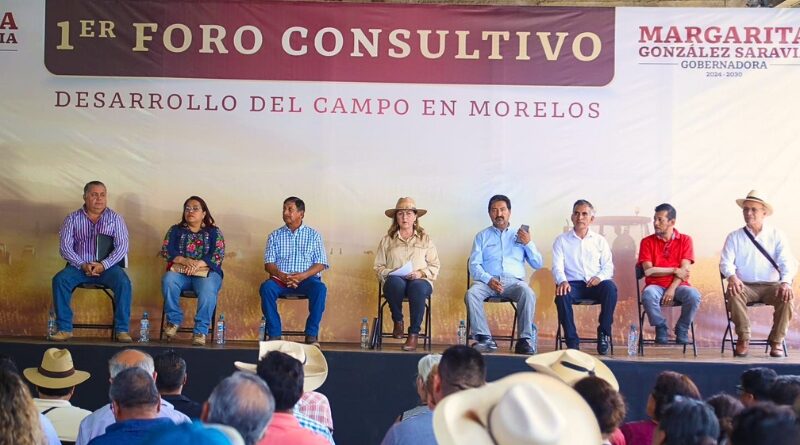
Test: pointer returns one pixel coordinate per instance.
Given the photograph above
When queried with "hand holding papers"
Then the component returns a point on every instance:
(406, 269)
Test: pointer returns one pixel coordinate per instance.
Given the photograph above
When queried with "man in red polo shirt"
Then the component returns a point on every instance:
(665, 257)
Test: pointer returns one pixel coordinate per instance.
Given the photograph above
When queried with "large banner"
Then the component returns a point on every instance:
(351, 106)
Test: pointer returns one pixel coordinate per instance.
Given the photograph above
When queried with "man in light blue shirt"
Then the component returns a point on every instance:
(497, 267)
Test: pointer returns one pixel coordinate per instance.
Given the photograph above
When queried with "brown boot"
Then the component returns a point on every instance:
(776, 349)
(741, 347)
(397, 332)
(411, 342)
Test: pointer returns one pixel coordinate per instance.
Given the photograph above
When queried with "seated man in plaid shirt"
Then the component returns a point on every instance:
(294, 258)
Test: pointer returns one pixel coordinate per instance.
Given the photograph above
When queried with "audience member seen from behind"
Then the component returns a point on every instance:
(194, 249)
(195, 434)
(406, 242)
(754, 385)
(766, 423)
(50, 435)
(284, 376)
(726, 407)
(19, 420)
(669, 384)
(95, 424)
(242, 401)
(785, 390)
(687, 422)
(424, 367)
(135, 403)
(460, 368)
(171, 377)
(606, 403)
(55, 380)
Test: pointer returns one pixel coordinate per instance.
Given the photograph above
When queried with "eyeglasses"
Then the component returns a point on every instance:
(188, 209)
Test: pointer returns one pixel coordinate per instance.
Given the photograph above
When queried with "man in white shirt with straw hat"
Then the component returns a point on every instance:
(758, 263)
(55, 380)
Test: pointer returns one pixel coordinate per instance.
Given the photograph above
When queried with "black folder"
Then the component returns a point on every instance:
(105, 245)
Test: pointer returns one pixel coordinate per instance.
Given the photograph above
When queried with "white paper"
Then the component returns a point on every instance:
(402, 271)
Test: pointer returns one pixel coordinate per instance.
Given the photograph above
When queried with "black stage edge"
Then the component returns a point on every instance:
(368, 389)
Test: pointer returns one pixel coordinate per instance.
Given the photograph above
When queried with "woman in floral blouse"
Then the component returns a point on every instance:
(194, 249)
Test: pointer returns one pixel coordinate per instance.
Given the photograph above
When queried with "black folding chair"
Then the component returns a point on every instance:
(511, 338)
(187, 329)
(728, 335)
(639, 290)
(383, 302)
(561, 334)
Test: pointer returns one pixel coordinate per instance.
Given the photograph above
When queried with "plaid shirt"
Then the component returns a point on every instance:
(314, 426)
(295, 252)
(315, 406)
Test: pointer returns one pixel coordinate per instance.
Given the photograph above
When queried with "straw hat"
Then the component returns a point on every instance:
(526, 408)
(315, 367)
(756, 196)
(571, 365)
(405, 204)
(56, 371)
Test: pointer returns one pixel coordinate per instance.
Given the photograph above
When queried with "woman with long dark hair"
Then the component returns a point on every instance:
(194, 249)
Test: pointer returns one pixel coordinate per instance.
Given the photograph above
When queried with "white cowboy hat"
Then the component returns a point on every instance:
(315, 367)
(405, 204)
(56, 371)
(571, 365)
(756, 196)
(526, 408)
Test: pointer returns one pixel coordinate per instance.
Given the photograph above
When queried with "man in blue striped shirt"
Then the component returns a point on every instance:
(294, 258)
(497, 266)
(78, 235)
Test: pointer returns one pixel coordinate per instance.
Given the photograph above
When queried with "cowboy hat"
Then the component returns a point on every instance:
(756, 196)
(571, 365)
(405, 204)
(526, 408)
(56, 371)
(315, 367)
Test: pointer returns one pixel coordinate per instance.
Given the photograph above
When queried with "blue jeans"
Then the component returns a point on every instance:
(206, 288)
(312, 287)
(689, 298)
(604, 293)
(70, 277)
(417, 291)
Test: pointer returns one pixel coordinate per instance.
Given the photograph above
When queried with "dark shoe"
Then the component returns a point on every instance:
(485, 345)
(662, 337)
(682, 337)
(523, 346)
(312, 340)
(397, 332)
(411, 342)
(603, 342)
(274, 338)
(741, 347)
(776, 349)
(576, 345)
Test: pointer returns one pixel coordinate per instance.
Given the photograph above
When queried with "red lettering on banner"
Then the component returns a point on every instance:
(8, 21)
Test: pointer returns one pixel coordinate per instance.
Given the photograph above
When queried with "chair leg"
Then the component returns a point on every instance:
(428, 334)
(113, 313)
(785, 352)
(513, 327)
(161, 331)
(558, 337)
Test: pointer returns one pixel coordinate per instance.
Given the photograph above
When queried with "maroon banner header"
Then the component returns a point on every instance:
(345, 42)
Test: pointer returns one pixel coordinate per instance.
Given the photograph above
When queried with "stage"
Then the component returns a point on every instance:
(368, 389)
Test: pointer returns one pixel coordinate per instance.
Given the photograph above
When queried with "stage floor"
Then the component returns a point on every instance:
(368, 389)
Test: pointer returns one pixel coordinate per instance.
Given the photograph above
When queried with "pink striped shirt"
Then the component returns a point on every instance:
(78, 237)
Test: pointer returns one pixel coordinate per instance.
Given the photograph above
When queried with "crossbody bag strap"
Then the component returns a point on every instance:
(762, 250)
(44, 413)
